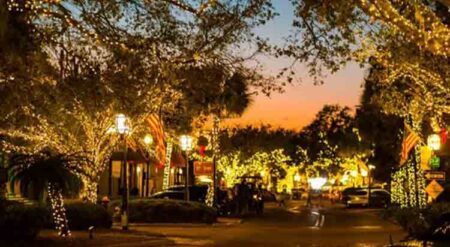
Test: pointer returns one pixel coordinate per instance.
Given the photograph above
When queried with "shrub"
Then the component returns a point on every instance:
(420, 223)
(19, 221)
(168, 211)
(82, 215)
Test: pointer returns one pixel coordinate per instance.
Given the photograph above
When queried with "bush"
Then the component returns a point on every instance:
(420, 223)
(82, 215)
(19, 221)
(168, 211)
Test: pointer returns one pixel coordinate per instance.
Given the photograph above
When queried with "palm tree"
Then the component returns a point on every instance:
(46, 172)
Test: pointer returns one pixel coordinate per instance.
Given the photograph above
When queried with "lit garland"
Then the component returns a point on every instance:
(425, 29)
(59, 212)
(166, 177)
(209, 200)
(232, 166)
(408, 182)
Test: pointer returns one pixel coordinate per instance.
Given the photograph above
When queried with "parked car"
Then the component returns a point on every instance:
(196, 192)
(346, 192)
(174, 195)
(378, 198)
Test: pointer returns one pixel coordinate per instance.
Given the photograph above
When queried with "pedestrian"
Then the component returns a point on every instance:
(309, 199)
(244, 197)
(283, 197)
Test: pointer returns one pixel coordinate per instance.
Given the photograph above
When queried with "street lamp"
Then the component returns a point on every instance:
(371, 167)
(186, 146)
(122, 128)
(148, 139)
(317, 183)
(434, 142)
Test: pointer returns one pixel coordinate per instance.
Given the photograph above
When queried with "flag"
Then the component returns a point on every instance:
(408, 143)
(157, 130)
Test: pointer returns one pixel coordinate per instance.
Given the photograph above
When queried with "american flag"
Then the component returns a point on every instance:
(157, 131)
(410, 140)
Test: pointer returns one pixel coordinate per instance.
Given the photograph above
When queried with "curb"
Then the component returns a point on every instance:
(220, 222)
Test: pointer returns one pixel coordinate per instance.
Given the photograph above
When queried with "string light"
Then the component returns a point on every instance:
(59, 212)
(166, 178)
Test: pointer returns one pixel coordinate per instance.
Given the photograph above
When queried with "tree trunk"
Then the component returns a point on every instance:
(89, 191)
(58, 210)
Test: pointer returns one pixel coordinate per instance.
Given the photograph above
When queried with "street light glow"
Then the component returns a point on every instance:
(121, 124)
(317, 183)
(364, 173)
(148, 139)
(434, 142)
(186, 142)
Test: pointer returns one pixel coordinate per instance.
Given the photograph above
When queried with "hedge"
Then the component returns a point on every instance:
(82, 215)
(21, 222)
(168, 211)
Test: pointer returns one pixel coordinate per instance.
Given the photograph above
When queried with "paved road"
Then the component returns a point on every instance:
(291, 226)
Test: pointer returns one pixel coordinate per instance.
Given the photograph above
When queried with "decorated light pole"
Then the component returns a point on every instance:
(122, 129)
(186, 146)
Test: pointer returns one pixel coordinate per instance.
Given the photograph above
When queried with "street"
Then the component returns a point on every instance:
(291, 226)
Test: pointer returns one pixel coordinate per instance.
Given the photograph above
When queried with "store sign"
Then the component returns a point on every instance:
(203, 168)
(434, 175)
(434, 189)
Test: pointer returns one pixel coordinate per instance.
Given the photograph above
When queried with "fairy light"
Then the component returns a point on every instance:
(58, 210)
(166, 178)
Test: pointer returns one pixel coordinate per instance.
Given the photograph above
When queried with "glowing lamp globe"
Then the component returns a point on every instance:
(148, 139)
(186, 142)
(434, 142)
(364, 173)
(317, 183)
(121, 124)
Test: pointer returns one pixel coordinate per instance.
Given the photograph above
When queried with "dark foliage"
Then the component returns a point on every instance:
(423, 223)
(83, 215)
(21, 222)
(173, 211)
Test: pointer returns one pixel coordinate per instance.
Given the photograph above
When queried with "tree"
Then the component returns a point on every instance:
(401, 35)
(116, 57)
(46, 172)
(379, 128)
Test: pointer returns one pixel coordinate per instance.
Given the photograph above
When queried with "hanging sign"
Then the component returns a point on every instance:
(434, 189)
(435, 162)
(203, 168)
(434, 175)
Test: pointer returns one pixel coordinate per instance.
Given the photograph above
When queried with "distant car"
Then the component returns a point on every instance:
(378, 198)
(173, 195)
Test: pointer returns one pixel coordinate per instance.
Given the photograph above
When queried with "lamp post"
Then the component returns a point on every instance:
(369, 191)
(186, 146)
(122, 129)
(148, 140)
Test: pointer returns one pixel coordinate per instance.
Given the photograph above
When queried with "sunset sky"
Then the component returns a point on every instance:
(297, 106)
